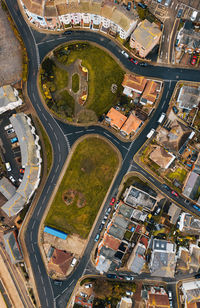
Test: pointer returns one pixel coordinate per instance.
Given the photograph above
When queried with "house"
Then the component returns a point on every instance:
(133, 83)
(9, 99)
(150, 93)
(189, 224)
(192, 185)
(83, 302)
(173, 212)
(145, 37)
(194, 258)
(163, 259)
(157, 298)
(188, 97)
(183, 260)
(126, 302)
(188, 38)
(137, 259)
(12, 247)
(174, 137)
(115, 118)
(60, 261)
(191, 293)
(95, 15)
(136, 197)
(161, 157)
(7, 189)
(132, 125)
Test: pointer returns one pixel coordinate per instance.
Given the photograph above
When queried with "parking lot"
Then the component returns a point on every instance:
(10, 151)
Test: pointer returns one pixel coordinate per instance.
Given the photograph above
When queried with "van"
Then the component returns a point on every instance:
(8, 126)
(8, 166)
(161, 119)
(150, 134)
(194, 15)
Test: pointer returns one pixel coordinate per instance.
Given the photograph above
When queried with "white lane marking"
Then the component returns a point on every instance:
(57, 168)
(59, 147)
(69, 134)
(90, 130)
(31, 236)
(68, 286)
(44, 199)
(59, 158)
(32, 247)
(44, 117)
(36, 259)
(48, 189)
(38, 107)
(33, 224)
(39, 269)
(39, 211)
(42, 280)
(125, 147)
(50, 126)
(107, 135)
(56, 137)
(80, 131)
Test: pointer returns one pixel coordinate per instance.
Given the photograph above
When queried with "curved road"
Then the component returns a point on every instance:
(62, 137)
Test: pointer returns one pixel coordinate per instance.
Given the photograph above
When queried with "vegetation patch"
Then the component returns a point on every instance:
(179, 174)
(89, 173)
(75, 83)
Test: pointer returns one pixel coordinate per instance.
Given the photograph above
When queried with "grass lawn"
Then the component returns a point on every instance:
(61, 78)
(180, 175)
(65, 103)
(89, 173)
(103, 72)
(75, 83)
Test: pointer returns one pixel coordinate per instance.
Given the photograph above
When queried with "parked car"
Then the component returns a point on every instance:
(125, 54)
(74, 261)
(8, 126)
(8, 166)
(174, 193)
(83, 294)
(143, 64)
(180, 13)
(12, 179)
(112, 202)
(10, 131)
(170, 295)
(109, 210)
(133, 61)
(97, 237)
(88, 285)
(166, 187)
(57, 282)
(67, 32)
(175, 109)
(13, 140)
(129, 278)
(130, 293)
(129, 6)
(194, 60)
(111, 276)
(101, 227)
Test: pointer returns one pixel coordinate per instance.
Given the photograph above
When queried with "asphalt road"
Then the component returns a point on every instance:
(62, 137)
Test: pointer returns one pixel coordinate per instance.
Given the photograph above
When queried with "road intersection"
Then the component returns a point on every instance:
(63, 136)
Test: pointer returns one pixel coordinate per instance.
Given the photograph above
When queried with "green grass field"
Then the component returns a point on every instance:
(75, 83)
(89, 173)
(103, 72)
(180, 175)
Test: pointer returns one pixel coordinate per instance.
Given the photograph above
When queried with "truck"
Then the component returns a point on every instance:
(150, 134)
(161, 119)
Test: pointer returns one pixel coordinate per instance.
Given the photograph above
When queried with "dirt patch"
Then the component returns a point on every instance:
(10, 53)
(72, 195)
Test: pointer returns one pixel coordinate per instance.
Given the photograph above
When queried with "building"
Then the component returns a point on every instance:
(132, 125)
(30, 160)
(137, 259)
(163, 259)
(188, 38)
(136, 197)
(7, 189)
(192, 185)
(161, 157)
(133, 83)
(9, 99)
(60, 261)
(83, 302)
(145, 37)
(189, 224)
(191, 293)
(55, 232)
(151, 93)
(174, 137)
(115, 118)
(126, 302)
(188, 97)
(156, 297)
(12, 247)
(96, 15)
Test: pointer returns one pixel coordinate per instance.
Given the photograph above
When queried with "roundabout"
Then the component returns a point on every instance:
(63, 136)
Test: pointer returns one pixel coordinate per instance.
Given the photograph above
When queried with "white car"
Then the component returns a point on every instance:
(88, 285)
(129, 293)
(124, 53)
(73, 262)
(12, 179)
(8, 126)
(83, 294)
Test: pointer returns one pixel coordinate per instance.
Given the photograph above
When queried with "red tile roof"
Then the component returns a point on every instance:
(134, 82)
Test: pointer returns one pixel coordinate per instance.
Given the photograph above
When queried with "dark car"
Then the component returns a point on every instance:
(166, 187)
(179, 13)
(175, 109)
(111, 276)
(174, 193)
(129, 6)
(101, 227)
(197, 276)
(57, 282)
(67, 32)
(133, 61)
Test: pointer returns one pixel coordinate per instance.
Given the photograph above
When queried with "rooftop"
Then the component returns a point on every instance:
(134, 82)
(131, 125)
(12, 247)
(146, 33)
(60, 261)
(191, 290)
(150, 92)
(7, 188)
(8, 98)
(189, 223)
(111, 242)
(135, 197)
(189, 97)
(161, 157)
(115, 118)
(192, 185)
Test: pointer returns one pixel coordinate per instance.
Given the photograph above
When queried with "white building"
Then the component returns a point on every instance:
(9, 99)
